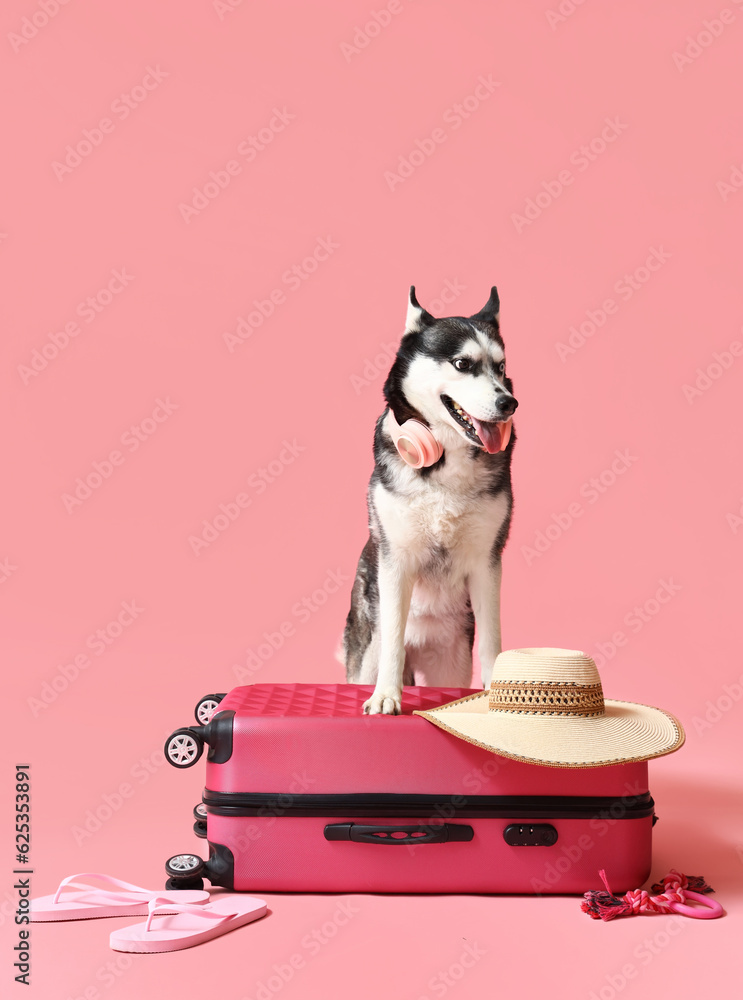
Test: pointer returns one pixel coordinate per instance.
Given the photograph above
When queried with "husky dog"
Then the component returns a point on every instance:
(431, 568)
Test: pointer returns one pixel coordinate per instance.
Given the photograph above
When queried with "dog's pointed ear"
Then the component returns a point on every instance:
(489, 312)
(417, 316)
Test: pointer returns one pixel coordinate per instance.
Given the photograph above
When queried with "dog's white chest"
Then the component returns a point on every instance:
(441, 514)
(436, 518)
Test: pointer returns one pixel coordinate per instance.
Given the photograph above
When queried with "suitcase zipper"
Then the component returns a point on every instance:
(430, 806)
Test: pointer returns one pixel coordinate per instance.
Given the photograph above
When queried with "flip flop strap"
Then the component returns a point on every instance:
(70, 882)
(161, 905)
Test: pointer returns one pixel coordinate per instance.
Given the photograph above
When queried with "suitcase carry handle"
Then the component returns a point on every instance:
(360, 834)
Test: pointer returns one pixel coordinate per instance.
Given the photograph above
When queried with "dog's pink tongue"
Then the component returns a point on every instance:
(494, 436)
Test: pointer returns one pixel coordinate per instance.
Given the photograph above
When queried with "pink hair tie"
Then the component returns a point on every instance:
(670, 896)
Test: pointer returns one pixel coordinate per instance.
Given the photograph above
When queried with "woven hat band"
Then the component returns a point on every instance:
(546, 698)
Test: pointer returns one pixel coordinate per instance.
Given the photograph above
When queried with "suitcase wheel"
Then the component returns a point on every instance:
(199, 814)
(184, 872)
(206, 708)
(183, 748)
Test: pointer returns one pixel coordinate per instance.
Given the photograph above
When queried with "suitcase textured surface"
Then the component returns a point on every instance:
(304, 793)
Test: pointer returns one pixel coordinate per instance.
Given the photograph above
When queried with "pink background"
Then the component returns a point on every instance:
(307, 375)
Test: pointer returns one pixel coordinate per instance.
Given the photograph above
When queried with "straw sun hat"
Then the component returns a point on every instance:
(546, 706)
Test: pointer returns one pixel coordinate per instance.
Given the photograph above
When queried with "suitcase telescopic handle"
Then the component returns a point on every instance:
(360, 833)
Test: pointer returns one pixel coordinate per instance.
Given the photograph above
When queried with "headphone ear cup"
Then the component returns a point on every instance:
(417, 446)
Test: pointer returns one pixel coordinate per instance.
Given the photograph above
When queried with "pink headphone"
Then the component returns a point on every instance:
(415, 442)
(419, 448)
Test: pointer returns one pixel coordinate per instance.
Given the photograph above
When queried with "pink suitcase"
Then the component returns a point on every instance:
(304, 793)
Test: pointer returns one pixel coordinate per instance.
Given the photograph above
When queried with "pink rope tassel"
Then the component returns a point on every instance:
(673, 889)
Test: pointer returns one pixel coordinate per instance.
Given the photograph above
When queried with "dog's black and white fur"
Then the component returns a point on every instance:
(431, 568)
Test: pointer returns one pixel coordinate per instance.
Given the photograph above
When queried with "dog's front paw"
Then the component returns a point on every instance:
(383, 703)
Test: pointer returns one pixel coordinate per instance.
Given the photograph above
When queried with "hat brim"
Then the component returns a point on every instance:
(627, 732)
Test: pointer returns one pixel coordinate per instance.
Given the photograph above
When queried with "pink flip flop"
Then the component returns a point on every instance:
(166, 930)
(129, 901)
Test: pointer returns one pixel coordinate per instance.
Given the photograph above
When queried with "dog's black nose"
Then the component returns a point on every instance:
(505, 405)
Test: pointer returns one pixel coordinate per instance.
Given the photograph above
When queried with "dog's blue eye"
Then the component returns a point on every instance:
(502, 367)
(462, 364)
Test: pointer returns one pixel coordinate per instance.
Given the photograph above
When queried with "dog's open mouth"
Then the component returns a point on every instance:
(491, 435)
